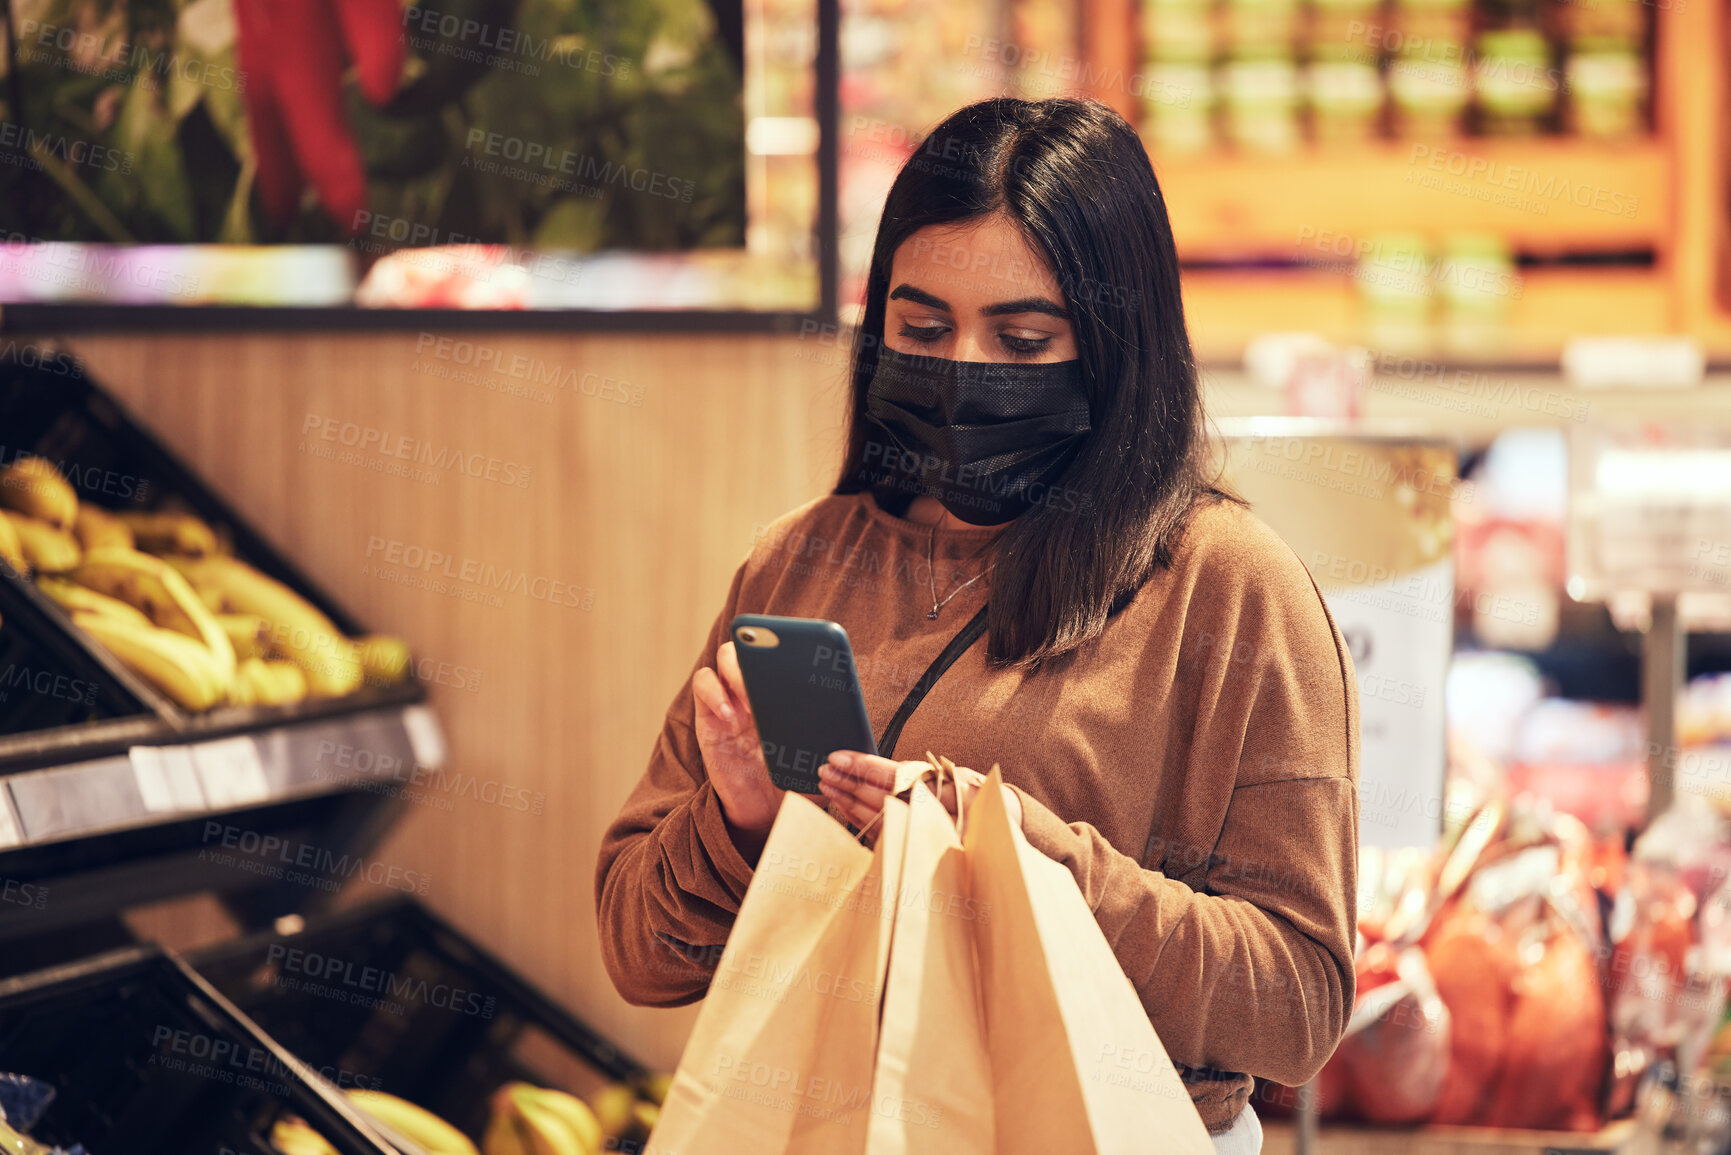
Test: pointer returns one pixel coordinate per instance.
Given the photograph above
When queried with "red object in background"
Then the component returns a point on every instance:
(1530, 1045)
(1472, 963)
(293, 53)
(1391, 1065)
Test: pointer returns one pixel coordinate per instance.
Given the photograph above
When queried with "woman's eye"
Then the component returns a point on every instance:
(925, 333)
(1025, 344)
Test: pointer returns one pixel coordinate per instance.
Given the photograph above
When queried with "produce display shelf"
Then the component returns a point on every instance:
(1281, 1138)
(153, 783)
(273, 820)
(391, 992)
(112, 795)
(147, 1057)
(1226, 308)
(1543, 196)
(50, 407)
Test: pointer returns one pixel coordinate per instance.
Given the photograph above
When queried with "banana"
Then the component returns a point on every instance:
(417, 1124)
(257, 681)
(33, 487)
(17, 1143)
(247, 633)
(96, 528)
(612, 1107)
(177, 665)
(178, 533)
(384, 658)
(298, 631)
(537, 1121)
(293, 1135)
(290, 682)
(574, 1112)
(646, 1114)
(74, 598)
(12, 548)
(46, 549)
(240, 687)
(163, 594)
(504, 1135)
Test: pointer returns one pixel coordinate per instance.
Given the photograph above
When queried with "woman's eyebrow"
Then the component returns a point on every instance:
(920, 296)
(1027, 305)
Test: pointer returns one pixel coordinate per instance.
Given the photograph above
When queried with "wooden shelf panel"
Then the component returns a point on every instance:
(1544, 196)
(1226, 309)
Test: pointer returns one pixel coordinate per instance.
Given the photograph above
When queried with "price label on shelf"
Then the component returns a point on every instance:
(231, 771)
(425, 737)
(9, 832)
(167, 779)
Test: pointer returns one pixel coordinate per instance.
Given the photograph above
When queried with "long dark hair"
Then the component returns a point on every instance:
(1075, 177)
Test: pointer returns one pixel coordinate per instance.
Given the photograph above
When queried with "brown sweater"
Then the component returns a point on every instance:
(1195, 766)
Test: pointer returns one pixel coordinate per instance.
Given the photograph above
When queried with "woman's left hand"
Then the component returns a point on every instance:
(859, 783)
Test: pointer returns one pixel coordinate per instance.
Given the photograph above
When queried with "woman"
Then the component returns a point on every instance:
(1172, 707)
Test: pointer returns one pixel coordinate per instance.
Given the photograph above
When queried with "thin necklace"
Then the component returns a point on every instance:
(931, 573)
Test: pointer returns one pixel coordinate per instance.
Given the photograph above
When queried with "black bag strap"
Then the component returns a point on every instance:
(959, 644)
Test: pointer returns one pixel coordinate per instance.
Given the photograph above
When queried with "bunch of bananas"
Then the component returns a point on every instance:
(161, 592)
(525, 1120)
(530, 1120)
(410, 1128)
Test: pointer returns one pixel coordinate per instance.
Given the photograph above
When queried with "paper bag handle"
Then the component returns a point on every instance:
(943, 768)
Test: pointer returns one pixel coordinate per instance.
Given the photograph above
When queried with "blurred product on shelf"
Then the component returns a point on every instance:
(1394, 282)
(1261, 29)
(1704, 712)
(1519, 67)
(1344, 30)
(1510, 564)
(1514, 86)
(1607, 87)
(1345, 98)
(1478, 283)
(1259, 99)
(1428, 96)
(1178, 106)
(1179, 31)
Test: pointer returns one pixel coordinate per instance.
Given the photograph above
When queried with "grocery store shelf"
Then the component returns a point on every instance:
(162, 783)
(1543, 196)
(1225, 309)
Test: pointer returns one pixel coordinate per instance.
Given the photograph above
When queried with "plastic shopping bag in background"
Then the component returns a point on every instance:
(933, 1087)
(1061, 1015)
(1515, 957)
(780, 1058)
(1392, 1060)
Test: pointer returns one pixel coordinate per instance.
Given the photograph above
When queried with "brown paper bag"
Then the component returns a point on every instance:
(1076, 1066)
(933, 1085)
(780, 1058)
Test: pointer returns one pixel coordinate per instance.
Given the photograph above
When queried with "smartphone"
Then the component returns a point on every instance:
(804, 693)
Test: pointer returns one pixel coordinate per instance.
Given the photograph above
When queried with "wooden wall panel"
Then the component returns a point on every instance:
(650, 505)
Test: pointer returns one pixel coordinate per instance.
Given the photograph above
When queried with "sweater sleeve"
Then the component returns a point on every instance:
(1246, 964)
(670, 880)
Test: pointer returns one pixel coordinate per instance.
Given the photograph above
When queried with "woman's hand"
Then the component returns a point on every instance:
(859, 783)
(732, 753)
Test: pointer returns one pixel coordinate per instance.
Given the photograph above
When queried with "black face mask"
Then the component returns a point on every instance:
(985, 438)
